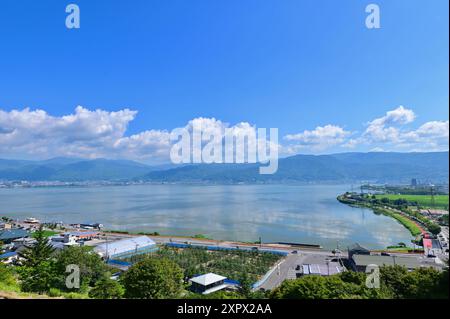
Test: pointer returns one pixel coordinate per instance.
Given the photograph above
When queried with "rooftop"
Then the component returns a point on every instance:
(207, 279)
(82, 233)
(365, 260)
(321, 269)
(8, 254)
(9, 234)
(124, 245)
(357, 247)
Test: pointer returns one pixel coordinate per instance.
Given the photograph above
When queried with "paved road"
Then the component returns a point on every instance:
(282, 272)
(286, 270)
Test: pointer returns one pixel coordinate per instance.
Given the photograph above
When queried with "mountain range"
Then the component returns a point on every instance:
(377, 167)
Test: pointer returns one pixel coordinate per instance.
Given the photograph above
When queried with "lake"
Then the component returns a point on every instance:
(289, 213)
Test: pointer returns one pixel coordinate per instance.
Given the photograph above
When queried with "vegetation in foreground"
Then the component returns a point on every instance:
(42, 274)
(396, 282)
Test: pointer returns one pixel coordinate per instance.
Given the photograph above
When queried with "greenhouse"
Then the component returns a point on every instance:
(126, 248)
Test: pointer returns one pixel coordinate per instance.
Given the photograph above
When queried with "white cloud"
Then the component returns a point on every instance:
(390, 132)
(84, 133)
(385, 129)
(92, 134)
(400, 115)
(98, 133)
(322, 137)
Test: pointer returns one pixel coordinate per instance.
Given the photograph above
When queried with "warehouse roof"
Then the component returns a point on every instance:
(365, 260)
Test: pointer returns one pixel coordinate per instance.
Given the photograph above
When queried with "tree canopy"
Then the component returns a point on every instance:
(153, 278)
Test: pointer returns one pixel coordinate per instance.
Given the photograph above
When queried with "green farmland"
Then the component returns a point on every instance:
(440, 201)
(233, 264)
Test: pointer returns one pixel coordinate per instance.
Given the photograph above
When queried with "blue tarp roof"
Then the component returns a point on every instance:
(7, 255)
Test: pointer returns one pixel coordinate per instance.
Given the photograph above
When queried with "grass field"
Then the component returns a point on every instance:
(47, 233)
(441, 201)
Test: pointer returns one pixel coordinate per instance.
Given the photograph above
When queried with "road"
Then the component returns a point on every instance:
(286, 269)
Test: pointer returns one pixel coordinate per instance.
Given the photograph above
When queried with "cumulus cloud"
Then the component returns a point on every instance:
(385, 129)
(84, 133)
(390, 131)
(98, 133)
(322, 137)
(93, 134)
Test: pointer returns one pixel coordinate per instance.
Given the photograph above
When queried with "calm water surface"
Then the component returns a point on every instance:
(304, 214)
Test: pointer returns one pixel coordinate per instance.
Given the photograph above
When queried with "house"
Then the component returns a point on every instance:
(208, 283)
(60, 242)
(357, 249)
(81, 235)
(4, 226)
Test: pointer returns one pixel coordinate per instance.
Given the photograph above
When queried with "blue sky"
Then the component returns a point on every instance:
(295, 65)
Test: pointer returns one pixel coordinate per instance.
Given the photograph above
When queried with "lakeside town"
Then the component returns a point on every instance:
(217, 268)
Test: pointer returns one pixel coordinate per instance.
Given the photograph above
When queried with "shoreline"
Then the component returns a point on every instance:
(412, 226)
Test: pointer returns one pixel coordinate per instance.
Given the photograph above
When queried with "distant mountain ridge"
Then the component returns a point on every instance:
(344, 167)
(67, 169)
(383, 167)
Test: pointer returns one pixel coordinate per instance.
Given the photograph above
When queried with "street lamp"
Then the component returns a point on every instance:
(328, 266)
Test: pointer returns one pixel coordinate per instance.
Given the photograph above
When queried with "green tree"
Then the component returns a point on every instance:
(92, 268)
(434, 228)
(107, 288)
(39, 252)
(38, 278)
(315, 287)
(245, 285)
(153, 278)
(7, 275)
(421, 283)
(37, 271)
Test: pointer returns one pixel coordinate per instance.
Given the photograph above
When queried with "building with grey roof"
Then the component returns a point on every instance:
(360, 262)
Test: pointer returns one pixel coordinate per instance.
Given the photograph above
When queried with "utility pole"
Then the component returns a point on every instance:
(107, 254)
(433, 202)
